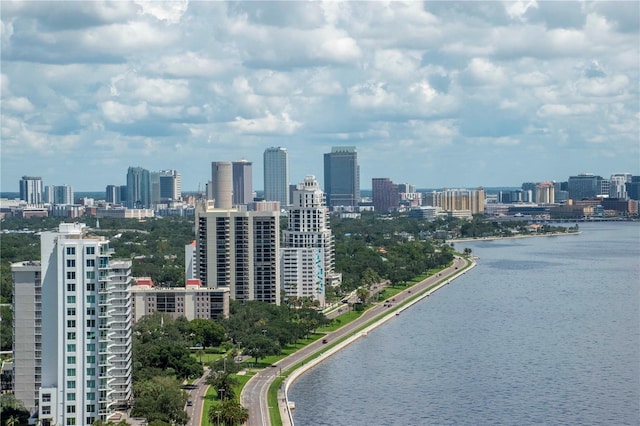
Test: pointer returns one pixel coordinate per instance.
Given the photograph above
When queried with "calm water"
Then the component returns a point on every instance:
(543, 331)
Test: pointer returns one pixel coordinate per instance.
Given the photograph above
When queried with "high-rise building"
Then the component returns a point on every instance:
(114, 194)
(138, 188)
(154, 188)
(27, 332)
(170, 185)
(545, 193)
(471, 200)
(242, 183)
(238, 250)
(86, 328)
(307, 253)
(385, 195)
(633, 188)
(618, 185)
(63, 194)
(31, 189)
(342, 177)
(221, 184)
(529, 192)
(276, 175)
(584, 186)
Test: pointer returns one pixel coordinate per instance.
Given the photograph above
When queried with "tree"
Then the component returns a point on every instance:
(259, 346)
(223, 383)
(160, 398)
(12, 409)
(467, 251)
(206, 332)
(229, 413)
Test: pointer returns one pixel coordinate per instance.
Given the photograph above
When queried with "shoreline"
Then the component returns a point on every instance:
(548, 234)
(284, 404)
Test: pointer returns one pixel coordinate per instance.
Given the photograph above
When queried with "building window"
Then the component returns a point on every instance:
(91, 359)
(71, 409)
(91, 347)
(71, 263)
(71, 250)
(91, 383)
(91, 298)
(91, 311)
(91, 396)
(46, 397)
(91, 275)
(91, 323)
(71, 347)
(71, 299)
(46, 410)
(71, 360)
(71, 287)
(90, 420)
(91, 408)
(71, 384)
(71, 323)
(91, 263)
(91, 371)
(71, 396)
(71, 421)
(71, 335)
(91, 250)
(71, 372)
(71, 275)
(71, 311)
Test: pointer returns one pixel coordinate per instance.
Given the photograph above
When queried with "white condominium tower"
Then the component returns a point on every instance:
(276, 175)
(86, 328)
(238, 250)
(307, 244)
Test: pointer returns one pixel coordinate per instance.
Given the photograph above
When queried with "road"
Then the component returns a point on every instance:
(254, 394)
(196, 396)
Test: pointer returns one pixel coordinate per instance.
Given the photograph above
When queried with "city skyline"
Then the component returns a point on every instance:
(438, 94)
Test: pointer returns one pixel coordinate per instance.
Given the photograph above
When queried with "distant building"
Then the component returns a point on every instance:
(633, 188)
(138, 188)
(276, 175)
(545, 193)
(190, 261)
(385, 195)
(113, 194)
(618, 185)
(31, 189)
(342, 177)
(584, 186)
(191, 301)
(242, 182)
(458, 199)
(221, 184)
(170, 185)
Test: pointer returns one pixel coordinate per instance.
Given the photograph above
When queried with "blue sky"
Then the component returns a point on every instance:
(437, 94)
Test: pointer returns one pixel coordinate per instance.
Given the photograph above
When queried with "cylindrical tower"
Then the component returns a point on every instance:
(221, 176)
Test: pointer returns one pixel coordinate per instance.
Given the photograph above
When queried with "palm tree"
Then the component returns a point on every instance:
(12, 421)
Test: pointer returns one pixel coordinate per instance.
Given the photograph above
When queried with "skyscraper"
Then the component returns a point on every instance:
(86, 328)
(307, 251)
(385, 195)
(242, 182)
(276, 175)
(31, 189)
(222, 188)
(584, 186)
(63, 194)
(138, 188)
(618, 185)
(342, 177)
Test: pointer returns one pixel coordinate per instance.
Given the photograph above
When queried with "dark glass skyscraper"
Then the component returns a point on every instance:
(138, 188)
(342, 177)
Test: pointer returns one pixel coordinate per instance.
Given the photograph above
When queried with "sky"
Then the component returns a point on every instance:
(436, 94)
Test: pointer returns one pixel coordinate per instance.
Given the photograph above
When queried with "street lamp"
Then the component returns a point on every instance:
(221, 393)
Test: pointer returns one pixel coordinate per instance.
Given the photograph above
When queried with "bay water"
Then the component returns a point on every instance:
(544, 330)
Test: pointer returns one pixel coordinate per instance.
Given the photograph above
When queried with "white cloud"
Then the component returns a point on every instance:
(269, 124)
(18, 104)
(552, 110)
(121, 113)
(484, 71)
(169, 11)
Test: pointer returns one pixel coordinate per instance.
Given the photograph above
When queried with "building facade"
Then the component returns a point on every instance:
(242, 182)
(545, 193)
(86, 328)
(307, 254)
(31, 189)
(276, 175)
(170, 185)
(239, 250)
(584, 186)
(221, 184)
(342, 177)
(27, 332)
